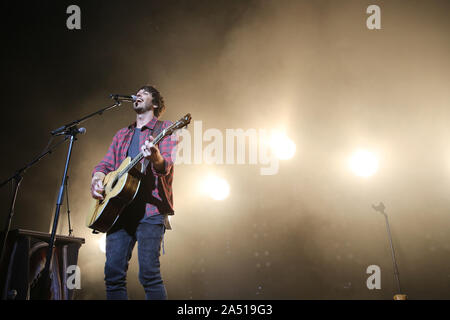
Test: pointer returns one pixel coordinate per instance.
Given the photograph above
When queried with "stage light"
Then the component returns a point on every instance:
(217, 188)
(363, 163)
(102, 243)
(283, 147)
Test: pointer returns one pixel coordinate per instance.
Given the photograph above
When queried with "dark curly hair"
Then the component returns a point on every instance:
(157, 100)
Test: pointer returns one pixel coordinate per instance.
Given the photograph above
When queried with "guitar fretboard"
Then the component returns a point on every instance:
(139, 157)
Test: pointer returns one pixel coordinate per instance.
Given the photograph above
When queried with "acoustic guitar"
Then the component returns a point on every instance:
(122, 185)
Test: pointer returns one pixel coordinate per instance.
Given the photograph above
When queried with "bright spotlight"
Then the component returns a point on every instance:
(283, 147)
(217, 188)
(102, 243)
(363, 163)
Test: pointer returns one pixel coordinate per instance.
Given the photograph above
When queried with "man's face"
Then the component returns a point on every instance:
(143, 102)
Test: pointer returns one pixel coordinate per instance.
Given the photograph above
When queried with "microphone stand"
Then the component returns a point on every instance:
(44, 279)
(380, 208)
(70, 130)
(68, 209)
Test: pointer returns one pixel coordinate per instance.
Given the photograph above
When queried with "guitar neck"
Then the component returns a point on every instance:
(140, 156)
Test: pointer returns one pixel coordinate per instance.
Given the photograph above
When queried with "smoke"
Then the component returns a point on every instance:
(312, 68)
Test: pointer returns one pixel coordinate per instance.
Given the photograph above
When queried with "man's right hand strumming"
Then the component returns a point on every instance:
(97, 187)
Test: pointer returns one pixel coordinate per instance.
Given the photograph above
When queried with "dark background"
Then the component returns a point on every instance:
(311, 67)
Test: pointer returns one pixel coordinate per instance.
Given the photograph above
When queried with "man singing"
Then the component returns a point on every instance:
(146, 218)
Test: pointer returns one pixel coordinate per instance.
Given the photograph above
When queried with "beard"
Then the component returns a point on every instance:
(140, 108)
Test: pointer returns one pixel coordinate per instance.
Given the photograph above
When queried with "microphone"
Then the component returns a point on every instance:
(122, 97)
(66, 130)
(379, 208)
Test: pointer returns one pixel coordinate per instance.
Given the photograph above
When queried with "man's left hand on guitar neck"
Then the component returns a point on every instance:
(153, 154)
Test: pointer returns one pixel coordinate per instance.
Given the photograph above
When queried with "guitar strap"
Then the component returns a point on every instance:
(156, 130)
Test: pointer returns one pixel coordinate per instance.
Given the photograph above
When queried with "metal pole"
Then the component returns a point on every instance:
(44, 285)
(18, 180)
(394, 261)
(380, 208)
(68, 208)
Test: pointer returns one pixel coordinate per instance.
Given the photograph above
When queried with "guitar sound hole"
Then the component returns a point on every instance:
(113, 183)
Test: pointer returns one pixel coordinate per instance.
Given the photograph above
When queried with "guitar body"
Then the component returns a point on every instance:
(119, 192)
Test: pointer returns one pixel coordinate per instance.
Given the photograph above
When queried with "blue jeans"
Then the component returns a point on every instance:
(119, 246)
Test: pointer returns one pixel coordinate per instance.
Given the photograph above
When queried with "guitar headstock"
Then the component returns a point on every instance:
(183, 122)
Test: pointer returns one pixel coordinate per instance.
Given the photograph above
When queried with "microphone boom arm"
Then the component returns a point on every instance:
(65, 128)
